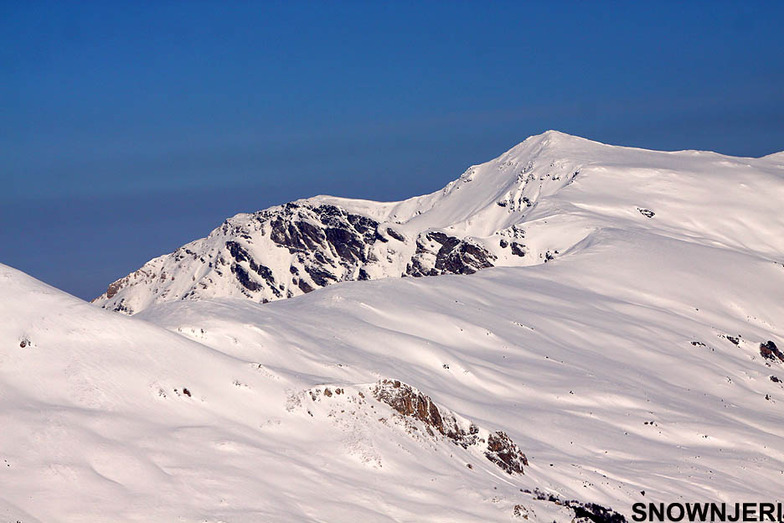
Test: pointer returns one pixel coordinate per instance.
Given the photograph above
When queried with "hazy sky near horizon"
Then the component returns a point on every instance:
(130, 128)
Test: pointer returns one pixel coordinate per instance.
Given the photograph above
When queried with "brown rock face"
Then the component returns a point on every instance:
(113, 288)
(408, 401)
(502, 451)
(769, 351)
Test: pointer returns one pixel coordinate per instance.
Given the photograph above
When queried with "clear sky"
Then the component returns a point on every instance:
(128, 129)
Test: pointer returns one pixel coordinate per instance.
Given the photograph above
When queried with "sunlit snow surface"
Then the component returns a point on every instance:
(611, 366)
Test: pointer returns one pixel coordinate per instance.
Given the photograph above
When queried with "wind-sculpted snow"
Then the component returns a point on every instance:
(636, 357)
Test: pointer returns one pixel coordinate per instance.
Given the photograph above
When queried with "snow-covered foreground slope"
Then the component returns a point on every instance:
(108, 418)
(632, 366)
(535, 201)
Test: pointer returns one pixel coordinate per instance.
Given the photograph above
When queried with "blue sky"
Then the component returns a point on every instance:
(131, 128)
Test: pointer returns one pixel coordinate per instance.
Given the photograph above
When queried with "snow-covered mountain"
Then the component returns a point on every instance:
(642, 363)
(533, 203)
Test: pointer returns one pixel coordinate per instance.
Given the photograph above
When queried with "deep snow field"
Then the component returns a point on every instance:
(627, 366)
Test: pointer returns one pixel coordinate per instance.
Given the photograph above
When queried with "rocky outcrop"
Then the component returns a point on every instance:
(407, 401)
(290, 250)
(769, 351)
(473, 223)
(502, 451)
(583, 512)
(438, 253)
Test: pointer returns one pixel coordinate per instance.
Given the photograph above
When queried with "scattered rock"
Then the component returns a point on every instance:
(520, 512)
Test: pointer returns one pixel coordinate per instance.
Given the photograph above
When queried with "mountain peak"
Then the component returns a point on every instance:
(538, 200)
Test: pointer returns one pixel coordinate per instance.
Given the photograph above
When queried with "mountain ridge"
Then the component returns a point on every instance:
(475, 222)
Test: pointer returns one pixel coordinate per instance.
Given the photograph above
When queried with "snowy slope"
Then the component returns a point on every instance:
(542, 196)
(645, 355)
(635, 365)
(108, 418)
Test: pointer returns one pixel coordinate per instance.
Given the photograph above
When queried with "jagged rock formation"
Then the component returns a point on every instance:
(408, 401)
(770, 351)
(292, 249)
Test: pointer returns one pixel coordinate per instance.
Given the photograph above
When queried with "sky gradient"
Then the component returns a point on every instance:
(129, 129)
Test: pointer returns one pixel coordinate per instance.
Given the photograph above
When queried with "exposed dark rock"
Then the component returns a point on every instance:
(406, 400)
(734, 341)
(304, 286)
(502, 451)
(463, 257)
(595, 513)
(520, 512)
(453, 256)
(769, 351)
(122, 307)
(410, 402)
(327, 244)
(111, 291)
(517, 249)
(347, 245)
(237, 252)
(244, 278)
(396, 235)
(583, 512)
(775, 379)
(646, 212)
(241, 255)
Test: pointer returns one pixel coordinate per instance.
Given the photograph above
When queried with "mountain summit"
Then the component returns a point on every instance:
(533, 203)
